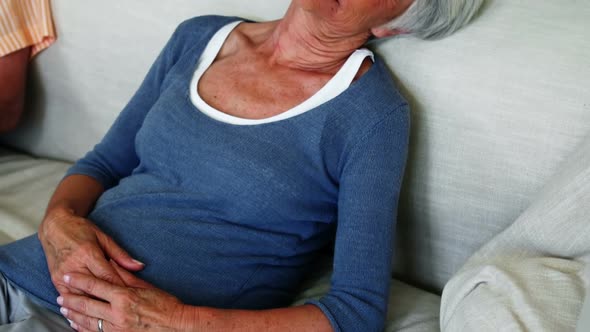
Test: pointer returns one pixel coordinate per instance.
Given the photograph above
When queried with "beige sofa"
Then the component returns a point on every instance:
(497, 110)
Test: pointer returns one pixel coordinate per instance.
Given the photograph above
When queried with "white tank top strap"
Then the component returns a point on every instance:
(349, 70)
(337, 84)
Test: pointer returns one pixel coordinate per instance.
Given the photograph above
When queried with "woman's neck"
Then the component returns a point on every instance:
(300, 42)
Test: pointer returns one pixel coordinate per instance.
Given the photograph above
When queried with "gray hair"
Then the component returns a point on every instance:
(434, 19)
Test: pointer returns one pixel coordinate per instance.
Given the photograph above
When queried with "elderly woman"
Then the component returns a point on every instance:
(248, 148)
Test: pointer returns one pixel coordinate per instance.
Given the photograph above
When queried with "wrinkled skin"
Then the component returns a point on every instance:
(137, 307)
(75, 245)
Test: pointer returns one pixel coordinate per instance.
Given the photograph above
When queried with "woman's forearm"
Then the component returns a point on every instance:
(73, 244)
(301, 318)
(76, 194)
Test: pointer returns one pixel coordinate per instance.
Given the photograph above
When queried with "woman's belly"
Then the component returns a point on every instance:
(200, 259)
(191, 250)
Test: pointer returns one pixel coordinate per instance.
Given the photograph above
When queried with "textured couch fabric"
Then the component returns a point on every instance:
(496, 108)
(26, 184)
(534, 275)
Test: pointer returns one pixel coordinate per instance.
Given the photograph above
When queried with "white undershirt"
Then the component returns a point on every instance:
(335, 86)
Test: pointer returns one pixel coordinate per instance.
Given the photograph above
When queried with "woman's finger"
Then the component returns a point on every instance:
(84, 305)
(81, 329)
(91, 285)
(81, 322)
(102, 269)
(129, 278)
(118, 254)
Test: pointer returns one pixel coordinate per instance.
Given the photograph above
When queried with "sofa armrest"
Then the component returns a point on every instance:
(534, 275)
(26, 184)
(584, 320)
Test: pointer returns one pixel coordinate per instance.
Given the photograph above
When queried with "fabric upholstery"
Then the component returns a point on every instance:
(410, 309)
(25, 186)
(496, 107)
(584, 319)
(534, 275)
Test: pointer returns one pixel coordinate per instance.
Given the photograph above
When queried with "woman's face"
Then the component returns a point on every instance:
(353, 16)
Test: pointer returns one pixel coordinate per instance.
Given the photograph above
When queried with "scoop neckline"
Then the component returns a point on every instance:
(216, 43)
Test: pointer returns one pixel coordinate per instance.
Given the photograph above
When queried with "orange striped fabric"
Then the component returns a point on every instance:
(25, 23)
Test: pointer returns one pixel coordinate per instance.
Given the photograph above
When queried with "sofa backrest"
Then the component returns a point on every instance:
(496, 107)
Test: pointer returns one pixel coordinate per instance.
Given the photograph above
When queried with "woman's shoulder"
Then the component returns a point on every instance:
(379, 88)
(371, 100)
(199, 30)
(200, 24)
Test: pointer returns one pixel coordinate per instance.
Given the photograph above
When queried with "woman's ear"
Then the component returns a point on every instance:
(383, 32)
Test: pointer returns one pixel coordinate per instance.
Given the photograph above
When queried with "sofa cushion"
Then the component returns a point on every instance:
(496, 107)
(539, 264)
(410, 309)
(25, 186)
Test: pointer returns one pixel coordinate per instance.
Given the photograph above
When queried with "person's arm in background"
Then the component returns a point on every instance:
(26, 28)
(13, 74)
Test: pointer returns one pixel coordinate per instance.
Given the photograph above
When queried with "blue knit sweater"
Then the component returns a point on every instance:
(231, 216)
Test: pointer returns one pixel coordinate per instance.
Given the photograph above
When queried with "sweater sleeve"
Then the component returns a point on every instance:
(115, 157)
(371, 176)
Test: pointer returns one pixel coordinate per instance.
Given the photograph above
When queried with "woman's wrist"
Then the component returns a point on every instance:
(186, 318)
(51, 216)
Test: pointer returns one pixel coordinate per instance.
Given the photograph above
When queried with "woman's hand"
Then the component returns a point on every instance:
(138, 307)
(74, 244)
